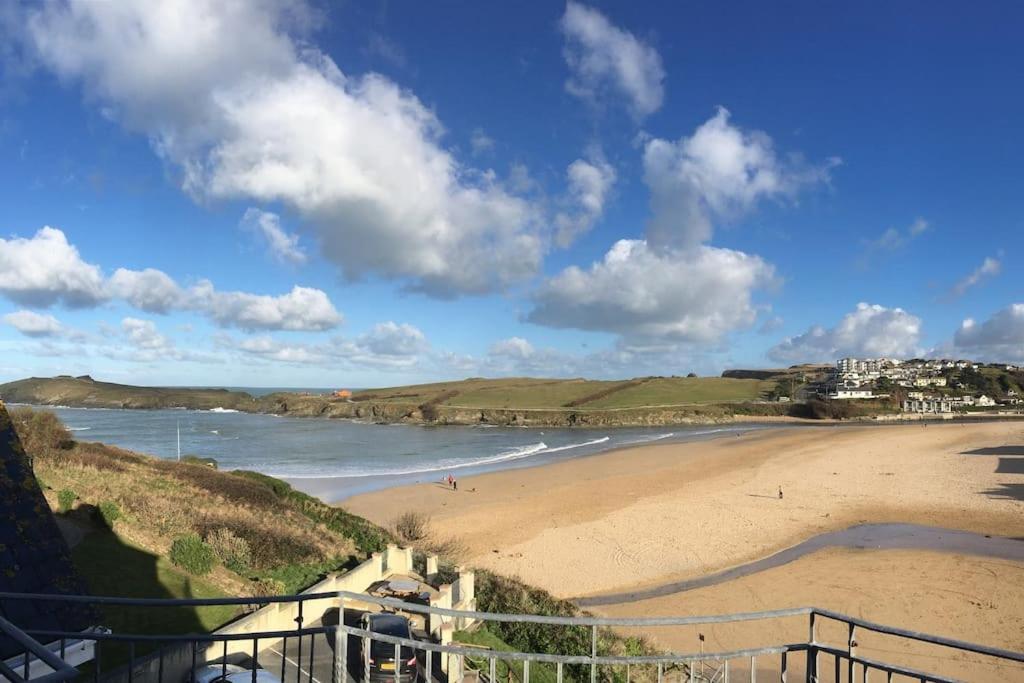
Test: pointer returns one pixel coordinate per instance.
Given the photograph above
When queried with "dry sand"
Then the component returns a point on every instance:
(650, 515)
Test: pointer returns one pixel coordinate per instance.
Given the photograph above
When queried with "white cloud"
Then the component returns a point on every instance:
(144, 335)
(990, 267)
(393, 339)
(283, 245)
(150, 290)
(590, 181)
(33, 324)
(1000, 338)
(513, 347)
(387, 345)
(720, 172)
(603, 57)
(696, 296)
(870, 331)
(45, 269)
(894, 238)
(238, 100)
(302, 309)
(481, 142)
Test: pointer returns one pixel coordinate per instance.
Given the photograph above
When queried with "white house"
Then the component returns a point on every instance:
(843, 393)
(984, 401)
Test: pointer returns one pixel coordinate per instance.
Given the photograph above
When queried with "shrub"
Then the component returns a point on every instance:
(266, 587)
(66, 499)
(270, 545)
(42, 434)
(232, 551)
(411, 526)
(199, 460)
(109, 513)
(191, 554)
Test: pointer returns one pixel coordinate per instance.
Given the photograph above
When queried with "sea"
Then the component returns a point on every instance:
(354, 456)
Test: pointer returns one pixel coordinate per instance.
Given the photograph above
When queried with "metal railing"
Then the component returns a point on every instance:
(814, 660)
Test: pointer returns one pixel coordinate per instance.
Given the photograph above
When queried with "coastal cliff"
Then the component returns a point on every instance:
(517, 402)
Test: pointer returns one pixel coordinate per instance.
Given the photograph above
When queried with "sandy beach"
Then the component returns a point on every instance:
(656, 513)
(650, 515)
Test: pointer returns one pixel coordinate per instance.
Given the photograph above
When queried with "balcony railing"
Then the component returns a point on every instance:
(291, 654)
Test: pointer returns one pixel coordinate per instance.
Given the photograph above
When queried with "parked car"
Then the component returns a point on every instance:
(382, 655)
(230, 673)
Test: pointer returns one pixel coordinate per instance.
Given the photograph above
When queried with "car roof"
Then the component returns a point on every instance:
(389, 624)
(262, 676)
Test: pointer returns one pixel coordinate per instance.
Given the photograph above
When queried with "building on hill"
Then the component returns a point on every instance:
(34, 557)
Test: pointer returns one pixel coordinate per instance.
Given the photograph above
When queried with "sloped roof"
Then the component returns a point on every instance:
(34, 558)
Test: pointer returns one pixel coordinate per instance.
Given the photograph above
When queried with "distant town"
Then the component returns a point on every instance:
(924, 385)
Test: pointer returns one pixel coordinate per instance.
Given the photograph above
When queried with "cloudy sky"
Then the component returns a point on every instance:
(302, 193)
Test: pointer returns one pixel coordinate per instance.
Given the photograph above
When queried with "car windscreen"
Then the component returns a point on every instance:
(398, 628)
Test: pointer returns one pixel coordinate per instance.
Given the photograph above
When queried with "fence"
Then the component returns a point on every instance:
(815, 659)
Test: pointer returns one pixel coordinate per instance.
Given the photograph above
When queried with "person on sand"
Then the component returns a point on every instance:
(450, 480)
(780, 493)
(455, 484)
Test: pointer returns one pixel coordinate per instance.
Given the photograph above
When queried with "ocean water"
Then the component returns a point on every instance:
(356, 456)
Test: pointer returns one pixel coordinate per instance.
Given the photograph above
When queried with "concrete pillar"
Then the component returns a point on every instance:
(451, 664)
(431, 567)
(467, 585)
(443, 600)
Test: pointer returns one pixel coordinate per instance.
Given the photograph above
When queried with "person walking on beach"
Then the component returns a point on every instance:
(455, 484)
(450, 480)
(780, 492)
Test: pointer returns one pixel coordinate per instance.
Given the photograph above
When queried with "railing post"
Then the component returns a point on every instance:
(593, 654)
(851, 648)
(340, 647)
(753, 669)
(812, 649)
(782, 674)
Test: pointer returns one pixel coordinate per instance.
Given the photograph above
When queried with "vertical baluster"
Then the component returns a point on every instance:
(255, 657)
(593, 654)
(340, 648)
(753, 669)
(131, 661)
(284, 655)
(526, 671)
(782, 675)
(558, 673)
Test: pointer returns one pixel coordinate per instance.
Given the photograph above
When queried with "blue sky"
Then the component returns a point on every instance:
(292, 193)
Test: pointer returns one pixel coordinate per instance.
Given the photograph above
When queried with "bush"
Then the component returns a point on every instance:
(411, 526)
(191, 554)
(109, 513)
(66, 500)
(232, 551)
(42, 434)
(270, 544)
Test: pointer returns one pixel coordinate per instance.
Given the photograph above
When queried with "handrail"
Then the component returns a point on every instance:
(421, 609)
(61, 669)
(922, 637)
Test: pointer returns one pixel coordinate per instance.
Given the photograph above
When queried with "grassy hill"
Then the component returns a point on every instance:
(86, 392)
(524, 393)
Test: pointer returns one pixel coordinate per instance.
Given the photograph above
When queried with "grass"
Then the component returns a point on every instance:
(113, 566)
(572, 394)
(543, 673)
(291, 538)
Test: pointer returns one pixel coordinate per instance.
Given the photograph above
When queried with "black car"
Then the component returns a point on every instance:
(382, 655)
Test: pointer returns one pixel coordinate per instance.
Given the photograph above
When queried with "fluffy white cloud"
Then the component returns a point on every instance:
(393, 339)
(150, 290)
(143, 335)
(283, 245)
(387, 345)
(34, 324)
(870, 331)
(696, 295)
(990, 267)
(589, 184)
(719, 172)
(45, 269)
(603, 57)
(231, 94)
(304, 308)
(1000, 338)
(513, 347)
